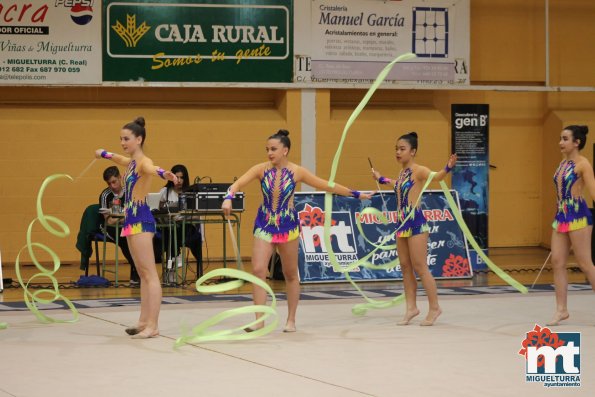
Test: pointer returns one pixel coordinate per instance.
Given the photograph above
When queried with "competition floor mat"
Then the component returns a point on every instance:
(472, 350)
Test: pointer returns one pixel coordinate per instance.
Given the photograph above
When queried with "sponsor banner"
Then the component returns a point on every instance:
(553, 359)
(470, 177)
(447, 248)
(50, 42)
(352, 40)
(198, 41)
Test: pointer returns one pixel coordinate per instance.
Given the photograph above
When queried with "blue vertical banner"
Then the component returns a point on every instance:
(470, 177)
(448, 256)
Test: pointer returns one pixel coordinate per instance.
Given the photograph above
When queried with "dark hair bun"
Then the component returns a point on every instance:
(282, 133)
(584, 129)
(140, 121)
(413, 134)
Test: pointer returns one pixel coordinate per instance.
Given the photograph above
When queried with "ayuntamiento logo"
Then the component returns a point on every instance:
(553, 358)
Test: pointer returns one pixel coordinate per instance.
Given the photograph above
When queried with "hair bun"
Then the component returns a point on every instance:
(282, 133)
(413, 134)
(584, 129)
(140, 120)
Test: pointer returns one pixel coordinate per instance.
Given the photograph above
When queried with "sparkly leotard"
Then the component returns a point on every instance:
(138, 217)
(573, 212)
(278, 224)
(416, 224)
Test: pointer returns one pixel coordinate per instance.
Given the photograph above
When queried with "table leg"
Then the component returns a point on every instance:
(117, 250)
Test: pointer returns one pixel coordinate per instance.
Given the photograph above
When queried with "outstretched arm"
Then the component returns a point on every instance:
(249, 176)
(321, 184)
(381, 179)
(440, 175)
(116, 158)
(148, 168)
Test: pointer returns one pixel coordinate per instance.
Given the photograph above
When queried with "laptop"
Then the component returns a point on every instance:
(153, 200)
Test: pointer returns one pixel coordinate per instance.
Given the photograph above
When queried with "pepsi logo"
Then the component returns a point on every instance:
(81, 15)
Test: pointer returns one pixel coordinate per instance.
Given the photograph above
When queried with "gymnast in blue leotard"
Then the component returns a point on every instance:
(412, 229)
(139, 224)
(277, 224)
(572, 222)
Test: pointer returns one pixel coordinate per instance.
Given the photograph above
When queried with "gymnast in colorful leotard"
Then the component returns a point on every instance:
(277, 223)
(412, 228)
(573, 222)
(139, 224)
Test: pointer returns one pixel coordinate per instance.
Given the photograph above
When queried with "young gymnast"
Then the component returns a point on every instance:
(412, 230)
(277, 223)
(139, 224)
(573, 222)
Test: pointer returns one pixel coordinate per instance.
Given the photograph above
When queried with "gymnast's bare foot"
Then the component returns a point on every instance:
(135, 330)
(408, 316)
(431, 317)
(559, 316)
(146, 334)
(289, 327)
(255, 328)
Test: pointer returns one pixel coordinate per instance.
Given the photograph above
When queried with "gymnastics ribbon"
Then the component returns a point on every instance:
(493, 267)
(328, 203)
(328, 207)
(202, 332)
(60, 230)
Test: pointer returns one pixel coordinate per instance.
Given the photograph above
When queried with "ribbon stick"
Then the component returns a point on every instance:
(203, 333)
(378, 186)
(236, 249)
(87, 168)
(541, 270)
(59, 230)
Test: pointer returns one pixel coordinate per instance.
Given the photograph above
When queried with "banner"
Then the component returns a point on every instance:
(198, 41)
(470, 177)
(352, 40)
(447, 248)
(50, 42)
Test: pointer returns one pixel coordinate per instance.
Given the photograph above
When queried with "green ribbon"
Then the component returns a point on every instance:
(203, 332)
(45, 296)
(493, 267)
(361, 309)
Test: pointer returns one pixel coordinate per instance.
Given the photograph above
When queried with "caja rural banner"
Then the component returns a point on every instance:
(447, 248)
(198, 41)
(352, 40)
(50, 42)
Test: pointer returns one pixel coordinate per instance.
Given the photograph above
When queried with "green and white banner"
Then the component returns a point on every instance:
(198, 41)
(50, 42)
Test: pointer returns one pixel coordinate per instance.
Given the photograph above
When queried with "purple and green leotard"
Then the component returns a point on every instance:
(277, 222)
(573, 212)
(138, 216)
(137, 182)
(416, 224)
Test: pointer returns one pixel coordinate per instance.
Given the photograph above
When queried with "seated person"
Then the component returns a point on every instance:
(170, 197)
(115, 191)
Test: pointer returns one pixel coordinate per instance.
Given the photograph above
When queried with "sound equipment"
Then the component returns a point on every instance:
(210, 201)
(208, 187)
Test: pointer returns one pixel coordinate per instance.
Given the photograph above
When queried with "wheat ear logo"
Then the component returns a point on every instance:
(131, 34)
